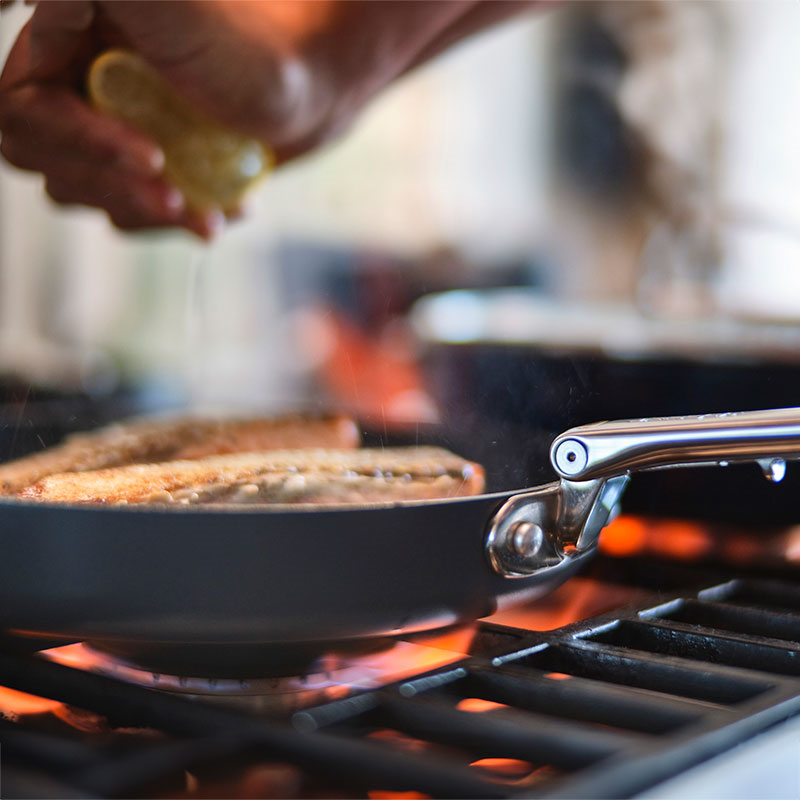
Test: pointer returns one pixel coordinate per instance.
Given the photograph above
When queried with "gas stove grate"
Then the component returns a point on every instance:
(603, 708)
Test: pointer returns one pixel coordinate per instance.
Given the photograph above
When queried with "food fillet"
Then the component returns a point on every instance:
(149, 440)
(283, 476)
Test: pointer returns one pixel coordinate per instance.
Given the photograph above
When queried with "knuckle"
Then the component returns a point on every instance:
(59, 192)
(6, 111)
(54, 192)
(124, 219)
(14, 103)
(7, 149)
(18, 153)
(13, 153)
(286, 105)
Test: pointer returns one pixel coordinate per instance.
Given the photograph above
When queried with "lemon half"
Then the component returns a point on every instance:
(213, 166)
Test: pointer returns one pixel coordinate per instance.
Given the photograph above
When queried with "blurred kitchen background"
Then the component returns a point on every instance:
(634, 166)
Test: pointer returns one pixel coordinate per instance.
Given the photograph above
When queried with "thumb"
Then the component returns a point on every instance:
(57, 32)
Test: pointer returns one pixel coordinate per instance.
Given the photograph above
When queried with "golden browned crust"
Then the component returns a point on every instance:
(151, 440)
(284, 476)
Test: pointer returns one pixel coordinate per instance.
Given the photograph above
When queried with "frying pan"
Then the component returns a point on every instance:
(219, 589)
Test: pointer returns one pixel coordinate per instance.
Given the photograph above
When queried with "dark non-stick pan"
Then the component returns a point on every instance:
(175, 589)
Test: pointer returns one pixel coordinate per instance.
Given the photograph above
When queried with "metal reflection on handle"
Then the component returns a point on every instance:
(608, 449)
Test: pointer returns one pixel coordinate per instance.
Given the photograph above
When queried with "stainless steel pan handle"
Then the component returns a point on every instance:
(607, 449)
(543, 529)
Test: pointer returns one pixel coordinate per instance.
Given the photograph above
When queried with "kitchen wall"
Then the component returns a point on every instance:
(680, 184)
(761, 174)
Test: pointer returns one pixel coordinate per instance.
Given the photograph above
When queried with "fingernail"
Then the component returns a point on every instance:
(173, 200)
(155, 159)
(214, 222)
(148, 160)
(243, 208)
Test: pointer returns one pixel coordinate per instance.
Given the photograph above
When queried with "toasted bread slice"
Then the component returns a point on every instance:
(284, 476)
(150, 440)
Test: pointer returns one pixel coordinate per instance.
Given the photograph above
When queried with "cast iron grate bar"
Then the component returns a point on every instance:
(144, 768)
(577, 698)
(707, 645)
(34, 783)
(340, 758)
(739, 619)
(510, 734)
(602, 708)
(712, 706)
(56, 753)
(641, 670)
(104, 770)
(768, 595)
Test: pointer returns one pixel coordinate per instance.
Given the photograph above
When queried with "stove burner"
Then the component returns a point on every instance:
(604, 706)
(232, 660)
(328, 677)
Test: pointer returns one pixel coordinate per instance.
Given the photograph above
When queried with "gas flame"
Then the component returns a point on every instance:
(509, 768)
(14, 704)
(73, 655)
(682, 540)
(577, 599)
(477, 705)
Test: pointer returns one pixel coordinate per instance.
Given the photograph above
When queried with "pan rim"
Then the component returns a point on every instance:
(265, 509)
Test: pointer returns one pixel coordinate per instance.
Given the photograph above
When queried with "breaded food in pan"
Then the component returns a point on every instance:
(157, 440)
(284, 476)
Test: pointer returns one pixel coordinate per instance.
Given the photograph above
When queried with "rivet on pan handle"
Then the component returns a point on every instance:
(544, 529)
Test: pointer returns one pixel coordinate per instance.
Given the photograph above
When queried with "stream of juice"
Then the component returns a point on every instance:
(194, 352)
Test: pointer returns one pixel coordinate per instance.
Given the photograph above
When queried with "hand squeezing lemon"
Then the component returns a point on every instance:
(212, 166)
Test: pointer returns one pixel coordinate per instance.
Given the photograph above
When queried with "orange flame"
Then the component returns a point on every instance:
(504, 767)
(678, 539)
(577, 599)
(455, 640)
(478, 705)
(399, 740)
(558, 676)
(72, 655)
(626, 536)
(14, 703)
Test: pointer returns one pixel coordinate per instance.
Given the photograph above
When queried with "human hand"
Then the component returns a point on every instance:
(293, 74)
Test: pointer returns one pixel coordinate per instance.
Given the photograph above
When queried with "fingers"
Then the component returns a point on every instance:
(91, 159)
(132, 203)
(53, 117)
(86, 157)
(117, 192)
(34, 57)
(57, 32)
(45, 122)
